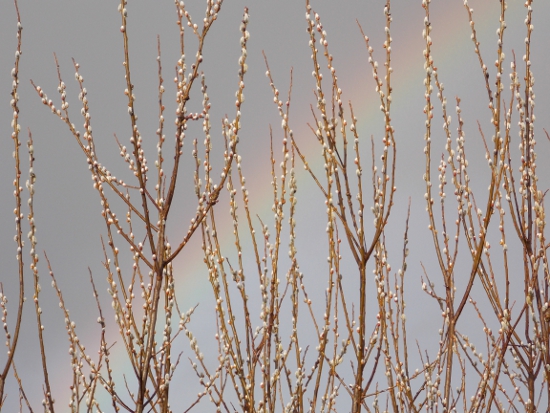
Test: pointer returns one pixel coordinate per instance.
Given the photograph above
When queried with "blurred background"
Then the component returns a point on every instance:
(68, 209)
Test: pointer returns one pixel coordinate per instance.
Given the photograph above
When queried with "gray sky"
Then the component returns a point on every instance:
(68, 219)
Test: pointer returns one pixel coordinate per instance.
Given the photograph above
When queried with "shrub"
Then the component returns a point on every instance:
(291, 332)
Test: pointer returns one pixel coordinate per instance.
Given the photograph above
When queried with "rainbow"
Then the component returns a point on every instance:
(451, 41)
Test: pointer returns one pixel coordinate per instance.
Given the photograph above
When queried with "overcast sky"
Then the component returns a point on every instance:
(68, 219)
